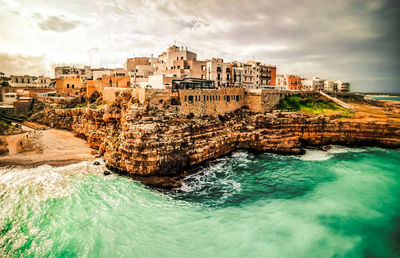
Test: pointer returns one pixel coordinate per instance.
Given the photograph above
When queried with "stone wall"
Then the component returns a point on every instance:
(262, 101)
(200, 102)
(109, 93)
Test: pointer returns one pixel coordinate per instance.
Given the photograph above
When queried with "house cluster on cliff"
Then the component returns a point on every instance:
(196, 86)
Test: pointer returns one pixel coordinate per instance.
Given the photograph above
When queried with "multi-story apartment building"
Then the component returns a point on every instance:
(288, 82)
(265, 75)
(244, 75)
(219, 72)
(179, 62)
(330, 86)
(343, 87)
(313, 84)
(254, 75)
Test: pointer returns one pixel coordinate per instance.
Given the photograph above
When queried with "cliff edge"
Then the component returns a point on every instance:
(152, 143)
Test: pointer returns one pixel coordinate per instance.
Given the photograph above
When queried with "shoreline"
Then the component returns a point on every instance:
(153, 145)
(39, 147)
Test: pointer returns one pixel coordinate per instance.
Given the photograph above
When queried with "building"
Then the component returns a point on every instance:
(132, 63)
(219, 72)
(313, 84)
(23, 81)
(330, 86)
(4, 81)
(43, 82)
(73, 72)
(70, 87)
(180, 62)
(202, 97)
(265, 75)
(343, 87)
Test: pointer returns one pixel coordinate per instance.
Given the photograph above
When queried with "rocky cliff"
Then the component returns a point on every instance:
(153, 143)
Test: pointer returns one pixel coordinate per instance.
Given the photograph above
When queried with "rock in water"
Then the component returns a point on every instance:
(107, 172)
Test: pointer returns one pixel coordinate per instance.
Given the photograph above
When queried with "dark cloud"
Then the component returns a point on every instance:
(18, 64)
(58, 24)
(354, 40)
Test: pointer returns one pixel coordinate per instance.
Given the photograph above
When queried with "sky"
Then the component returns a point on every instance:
(350, 40)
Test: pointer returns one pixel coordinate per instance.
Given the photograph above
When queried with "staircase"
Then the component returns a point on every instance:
(337, 101)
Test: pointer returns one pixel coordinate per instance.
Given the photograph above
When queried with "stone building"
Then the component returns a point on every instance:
(73, 72)
(70, 87)
(23, 81)
(202, 97)
(43, 82)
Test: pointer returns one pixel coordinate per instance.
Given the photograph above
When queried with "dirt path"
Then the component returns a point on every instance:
(53, 147)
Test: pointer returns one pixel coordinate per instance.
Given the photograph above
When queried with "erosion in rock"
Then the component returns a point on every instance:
(154, 143)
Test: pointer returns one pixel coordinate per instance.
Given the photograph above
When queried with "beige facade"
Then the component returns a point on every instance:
(73, 72)
(219, 72)
(314, 83)
(43, 82)
(24, 81)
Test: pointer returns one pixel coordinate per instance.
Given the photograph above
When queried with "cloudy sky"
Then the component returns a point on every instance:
(352, 40)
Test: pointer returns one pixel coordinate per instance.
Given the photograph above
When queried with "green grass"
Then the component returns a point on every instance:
(310, 104)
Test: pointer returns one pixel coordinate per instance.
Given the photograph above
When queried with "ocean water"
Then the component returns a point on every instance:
(393, 98)
(340, 203)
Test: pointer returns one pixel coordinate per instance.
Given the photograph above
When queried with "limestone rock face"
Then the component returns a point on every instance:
(154, 141)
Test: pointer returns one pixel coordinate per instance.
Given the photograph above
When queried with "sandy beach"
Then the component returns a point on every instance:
(53, 147)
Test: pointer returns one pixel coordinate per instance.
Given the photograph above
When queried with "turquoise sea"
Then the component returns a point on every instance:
(393, 98)
(340, 203)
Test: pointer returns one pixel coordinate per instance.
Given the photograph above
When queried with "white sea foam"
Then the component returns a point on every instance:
(315, 155)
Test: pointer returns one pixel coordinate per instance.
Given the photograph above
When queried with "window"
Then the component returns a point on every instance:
(218, 76)
(203, 67)
(219, 69)
(228, 98)
(28, 80)
(72, 86)
(196, 98)
(181, 57)
(67, 85)
(177, 58)
(179, 67)
(188, 67)
(16, 79)
(219, 97)
(207, 98)
(22, 80)
(237, 98)
(204, 97)
(190, 99)
(185, 98)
